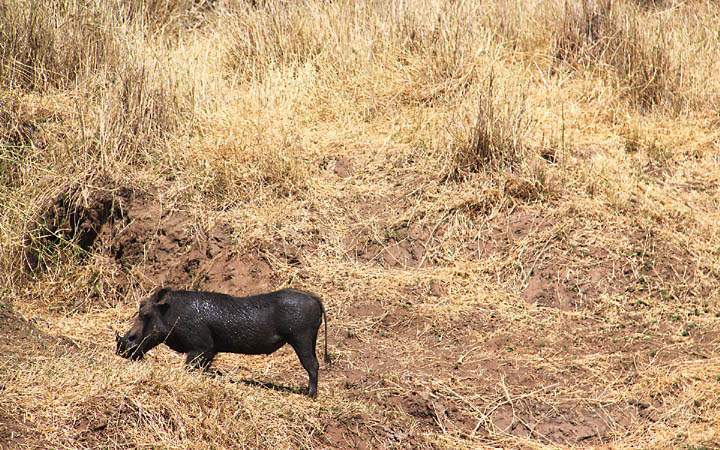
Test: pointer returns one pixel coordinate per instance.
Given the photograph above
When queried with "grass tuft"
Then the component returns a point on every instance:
(606, 35)
(498, 138)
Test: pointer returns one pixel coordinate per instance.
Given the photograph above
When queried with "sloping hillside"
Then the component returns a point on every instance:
(509, 209)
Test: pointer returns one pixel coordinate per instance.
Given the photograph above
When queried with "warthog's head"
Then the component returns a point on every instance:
(148, 330)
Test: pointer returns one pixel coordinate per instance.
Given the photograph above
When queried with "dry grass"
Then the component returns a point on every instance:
(498, 137)
(618, 39)
(512, 219)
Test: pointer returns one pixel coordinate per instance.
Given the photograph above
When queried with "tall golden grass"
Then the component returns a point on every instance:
(427, 166)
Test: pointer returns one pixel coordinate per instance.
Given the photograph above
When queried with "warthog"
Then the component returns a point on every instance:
(203, 324)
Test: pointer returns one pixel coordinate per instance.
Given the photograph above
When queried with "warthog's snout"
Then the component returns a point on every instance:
(127, 347)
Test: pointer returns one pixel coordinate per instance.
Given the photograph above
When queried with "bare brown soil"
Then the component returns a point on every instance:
(166, 248)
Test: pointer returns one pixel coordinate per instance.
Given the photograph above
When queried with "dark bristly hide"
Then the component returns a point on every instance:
(203, 324)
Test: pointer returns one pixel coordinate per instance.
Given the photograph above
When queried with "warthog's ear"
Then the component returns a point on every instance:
(158, 295)
(160, 300)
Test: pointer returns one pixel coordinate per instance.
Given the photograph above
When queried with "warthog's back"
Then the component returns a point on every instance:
(258, 324)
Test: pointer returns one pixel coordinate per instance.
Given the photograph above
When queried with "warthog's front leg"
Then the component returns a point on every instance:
(199, 359)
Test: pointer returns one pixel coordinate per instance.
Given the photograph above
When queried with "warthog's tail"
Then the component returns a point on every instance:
(328, 361)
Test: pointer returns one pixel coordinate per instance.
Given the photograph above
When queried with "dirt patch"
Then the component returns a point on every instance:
(426, 391)
(343, 167)
(547, 288)
(574, 287)
(240, 274)
(404, 246)
(394, 254)
(21, 338)
(431, 411)
(473, 375)
(15, 433)
(161, 247)
(360, 432)
(656, 266)
(522, 223)
(506, 230)
(70, 218)
(564, 425)
(169, 250)
(568, 273)
(342, 435)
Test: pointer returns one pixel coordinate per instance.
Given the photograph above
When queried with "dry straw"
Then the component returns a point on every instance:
(508, 207)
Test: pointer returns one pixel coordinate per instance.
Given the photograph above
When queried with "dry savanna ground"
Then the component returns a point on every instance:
(510, 209)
